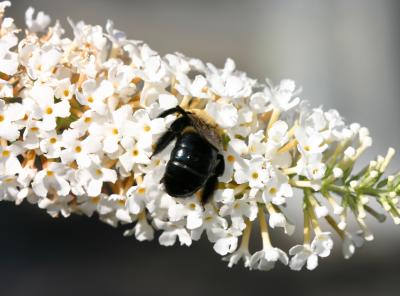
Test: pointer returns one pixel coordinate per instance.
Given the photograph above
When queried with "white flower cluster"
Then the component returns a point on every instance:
(78, 123)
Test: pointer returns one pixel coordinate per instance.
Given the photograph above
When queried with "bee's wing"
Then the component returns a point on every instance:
(206, 129)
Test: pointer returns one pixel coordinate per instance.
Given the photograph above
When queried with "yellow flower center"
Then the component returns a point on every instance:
(141, 190)
(53, 140)
(87, 119)
(90, 100)
(66, 93)
(146, 128)
(231, 158)
(78, 149)
(254, 175)
(50, 173)
(115, 131)
(135, 152)
(34, 129)
(5, 153)
(99, 172)
(1, 117)
(49, 111)
(273, 190)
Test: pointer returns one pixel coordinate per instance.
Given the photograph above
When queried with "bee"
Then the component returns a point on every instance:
(195, 161)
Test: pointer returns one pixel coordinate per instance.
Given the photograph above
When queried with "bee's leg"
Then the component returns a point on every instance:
(177, 109)
(212, 182)
(220, 168)
(174, 130)
(209, 189)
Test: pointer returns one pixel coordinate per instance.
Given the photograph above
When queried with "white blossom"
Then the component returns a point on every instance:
(79, 122)
(267, 257)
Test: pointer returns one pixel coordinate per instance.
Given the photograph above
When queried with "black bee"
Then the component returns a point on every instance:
(195, 161)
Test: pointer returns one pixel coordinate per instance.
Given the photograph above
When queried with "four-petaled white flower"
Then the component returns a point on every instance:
(51, 180)
(47, 108)
(267, 257)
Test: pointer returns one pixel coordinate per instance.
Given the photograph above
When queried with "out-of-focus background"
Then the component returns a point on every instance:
(344, 53)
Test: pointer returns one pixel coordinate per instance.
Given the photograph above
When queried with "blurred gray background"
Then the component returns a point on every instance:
(344, 53)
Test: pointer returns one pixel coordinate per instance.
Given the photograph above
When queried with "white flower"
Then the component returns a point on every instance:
(3, 5)
(225, 115)
(189, 209)
(227, 82)
(142, 230)
(322, 244)
(196, 88)
(311, 166)
(320, 247)
(253, 172)
(277, 189)
(9, 114)
(233, 159)
(64, 90)
(227, 240)
(237, 210)
(8, 187)
(350, 243)
(48, 110)
(146, 129)
(117, 37)
(136, 199)
(240, 254)
(9, 163)
(40, 23)
(256, 144)
(51, 180)
(86, 35)
(310, 143)
(121, 77)
(41, 62)
(116, 129)
(122, 212)
(281, 96)
(279, 220)
(172, 231)
(259, 102)
(94, 176)
(79, 150)
(135, 153)
(303, 254)
(51, 145)
(94, 95)
(212, 224)
(267, 257)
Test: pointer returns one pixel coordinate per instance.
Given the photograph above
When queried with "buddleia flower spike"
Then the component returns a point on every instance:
(79, 122)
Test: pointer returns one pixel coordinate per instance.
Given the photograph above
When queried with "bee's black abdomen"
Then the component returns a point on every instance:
(181, 182)
(191, 162)
(195, 161)
(194, 151)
